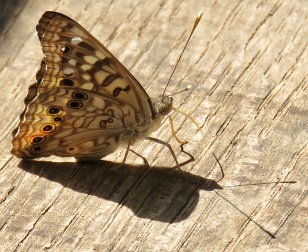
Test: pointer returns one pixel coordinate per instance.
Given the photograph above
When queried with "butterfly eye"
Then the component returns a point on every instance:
(48, 128)
(65, 49)
(53, 110)
(67, 82)
(37, 139)
(58, 119)
(74, 104)
(79, 96)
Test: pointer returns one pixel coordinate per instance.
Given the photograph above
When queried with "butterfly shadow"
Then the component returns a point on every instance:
(158, 193)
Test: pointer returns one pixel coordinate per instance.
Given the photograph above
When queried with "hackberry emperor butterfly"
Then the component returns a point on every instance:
(85, 103)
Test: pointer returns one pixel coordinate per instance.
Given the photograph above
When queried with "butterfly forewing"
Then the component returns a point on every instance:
(85, 102)
(75, 58)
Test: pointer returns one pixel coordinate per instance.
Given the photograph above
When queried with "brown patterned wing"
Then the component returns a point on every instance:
(74, 58)
(84, 103)
(73, 122)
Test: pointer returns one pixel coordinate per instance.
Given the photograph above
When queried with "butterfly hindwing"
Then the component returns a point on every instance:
(73, 122)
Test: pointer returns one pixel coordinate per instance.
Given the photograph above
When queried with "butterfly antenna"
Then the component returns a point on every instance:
(181, 91)
(191, 33)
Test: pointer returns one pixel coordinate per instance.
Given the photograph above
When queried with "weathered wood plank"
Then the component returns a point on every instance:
(247, 64)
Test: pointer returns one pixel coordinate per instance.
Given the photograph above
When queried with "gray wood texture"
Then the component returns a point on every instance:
(247, 64)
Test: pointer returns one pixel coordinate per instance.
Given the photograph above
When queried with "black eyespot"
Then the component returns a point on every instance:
(67, 82)
(65, 49)
(79, 96)
(48, 128)
(37, 139)
(71, 149)
(103, 124)
(53, 111)
(74, 104)
(58, 119)
(36, 148)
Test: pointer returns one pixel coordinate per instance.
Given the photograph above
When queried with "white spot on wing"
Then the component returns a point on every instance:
(72, 62)
(87, 86)
(86, 67)
(68, 71)
(76, 40)
(90, 59)
(86, 77)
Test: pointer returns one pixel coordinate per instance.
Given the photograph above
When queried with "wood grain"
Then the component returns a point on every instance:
(247, 64)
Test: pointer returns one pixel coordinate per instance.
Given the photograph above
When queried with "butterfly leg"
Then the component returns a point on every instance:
(145, 161)
(126, 152)
(169, 147)
(137, 154)
(182, 143)
(191, 157)
(174, 132)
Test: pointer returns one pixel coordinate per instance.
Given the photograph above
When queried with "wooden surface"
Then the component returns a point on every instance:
(247, 64)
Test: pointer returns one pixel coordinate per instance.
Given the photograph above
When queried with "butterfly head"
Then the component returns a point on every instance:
(162, 105)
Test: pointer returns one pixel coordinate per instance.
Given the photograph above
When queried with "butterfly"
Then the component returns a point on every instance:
(85, 103)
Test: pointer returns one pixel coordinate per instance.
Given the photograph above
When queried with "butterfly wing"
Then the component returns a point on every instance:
(84, 103)
(74, 58)
(73, 122)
